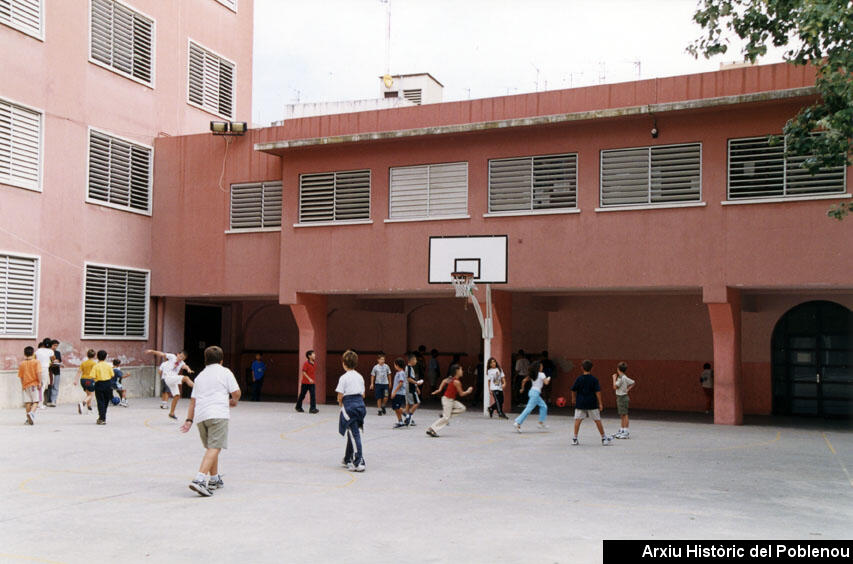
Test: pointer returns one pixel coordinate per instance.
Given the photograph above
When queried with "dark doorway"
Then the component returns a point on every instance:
(813, 361)
(202, 328)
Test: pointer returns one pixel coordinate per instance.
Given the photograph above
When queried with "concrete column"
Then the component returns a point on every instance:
(502, 342)
(309, 311)
(724, 309)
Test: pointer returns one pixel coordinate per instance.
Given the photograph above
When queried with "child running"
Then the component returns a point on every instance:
(172, 377)
(398, 395)
(350, 391)
(379, 377)
(84, 372)
(622, 385)
(497, 382)
(29, 371)
(586, 396)
(534, 396)
(450, 406)
(118, 376)
(214, 392)
(413, 396)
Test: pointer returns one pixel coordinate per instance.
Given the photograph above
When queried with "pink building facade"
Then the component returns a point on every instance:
(87, 88)
(699, 243)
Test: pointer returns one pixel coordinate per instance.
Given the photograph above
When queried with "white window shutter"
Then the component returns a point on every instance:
(510, 184)
(211, 81)
(255, 206)
(119, 172)
(115, 303)
(625, 177)
(122, 39)
(352, 195)
(20, 146)
(409, 196)
(662, 174)
(22, 14)
(334, 196)
(448, 189)
(271, 214)
(18, 295)
(533, 183)
(429, 191)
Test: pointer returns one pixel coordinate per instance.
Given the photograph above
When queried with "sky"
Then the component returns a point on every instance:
(333, 50)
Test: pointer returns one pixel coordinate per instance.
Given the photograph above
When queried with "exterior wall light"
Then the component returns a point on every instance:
(229, 127)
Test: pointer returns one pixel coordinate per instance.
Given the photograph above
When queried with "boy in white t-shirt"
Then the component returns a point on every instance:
(350, 391)
(622, 385)
(215, 391)
(170, 370)
(379, 378)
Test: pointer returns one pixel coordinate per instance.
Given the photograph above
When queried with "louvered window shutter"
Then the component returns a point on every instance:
(116, 303)
(256, 206)
(436, 190)
(758, 169)
(334, 196)
(122, 39)
(211, 81)
(119, 172)
(18, 295)
(20, 146)
(658, 175)
(22, 14)
(533, 183)
(232, 4)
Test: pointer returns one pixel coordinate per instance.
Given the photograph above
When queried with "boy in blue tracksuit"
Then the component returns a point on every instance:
(350, 391)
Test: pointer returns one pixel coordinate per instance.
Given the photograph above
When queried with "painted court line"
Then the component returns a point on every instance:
(28, 559)
(837, 458)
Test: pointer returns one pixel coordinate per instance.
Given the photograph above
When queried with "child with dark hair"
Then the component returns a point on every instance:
(171, 369)
(55, 371)
(102, 374)
(586, 396)
(398, 394)
(118, 376)
(622, 385)
(534, 396)
(450, 406)
(497, 382)
(307, 382)
(29, 373)
(84, 372)
(706, 379)
(413, 396)
(379, 379)
(350, 390)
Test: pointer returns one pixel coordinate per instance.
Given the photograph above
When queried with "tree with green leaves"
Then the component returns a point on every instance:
(817, 33)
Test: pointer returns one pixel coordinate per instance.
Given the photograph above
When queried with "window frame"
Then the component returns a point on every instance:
(262, 229)
(428, 166)
(147, 316)
(9, 180)
(785, 197)
(190, 42)
(648, 205)
(152, 83)
(531, 211)
(95, 201)
(36, 293)
(224, 3)
(327, 222)
(26, 30)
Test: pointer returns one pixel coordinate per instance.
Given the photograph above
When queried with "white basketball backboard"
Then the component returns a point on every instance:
(485, 256)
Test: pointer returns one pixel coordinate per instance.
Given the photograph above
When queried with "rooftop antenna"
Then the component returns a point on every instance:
(537, 75)
(638, 65)
(387, 36)
(602, 74)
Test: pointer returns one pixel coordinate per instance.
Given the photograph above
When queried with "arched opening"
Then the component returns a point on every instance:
(812, 357)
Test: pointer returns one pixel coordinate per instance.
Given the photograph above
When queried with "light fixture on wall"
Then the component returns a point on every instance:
(654, 132)
(229, 127)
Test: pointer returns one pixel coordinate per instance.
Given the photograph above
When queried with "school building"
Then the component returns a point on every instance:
(655, 222)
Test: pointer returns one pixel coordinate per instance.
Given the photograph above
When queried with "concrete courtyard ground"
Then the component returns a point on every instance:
(75, 492)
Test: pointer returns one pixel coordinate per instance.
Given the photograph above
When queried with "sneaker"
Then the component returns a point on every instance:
(607, 440)
(379, 412)
(503, 416)
(575, 441)
(100, 422)
(399, 424)
(517, 427)
(407, 419)
(626, 434)
(345, 463)
(384, 411)
(299, 409)
(350, 466)
(412, 422)
(360, 467)
(163, 405)
(80, 408)
(50, 404)
(89, 407)
(431, 433)
(314, 410)
(491, 411)
(172, 416)
(30, 420)
(123, 403)
(543, 426)
(200, 488)
(215, 484)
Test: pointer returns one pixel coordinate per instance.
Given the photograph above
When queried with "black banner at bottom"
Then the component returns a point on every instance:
(708, 551)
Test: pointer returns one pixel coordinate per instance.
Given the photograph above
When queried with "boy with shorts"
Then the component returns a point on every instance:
(84, 373)
(215, 390)
(379, 377)
(171, 370)
(622, 385)
(413, 396)
(118, 376)
(29, 371)
(586, 396)
(350, 390)
(398, 395)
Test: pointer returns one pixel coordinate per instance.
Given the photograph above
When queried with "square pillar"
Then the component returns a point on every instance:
(309, 311)
(724, 309)
(501, 345)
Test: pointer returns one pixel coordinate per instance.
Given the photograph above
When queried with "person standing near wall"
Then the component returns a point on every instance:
(308, 386)
(621, 386)
(259, 369)
(433, 369)
(706, 379)
(497, 383)
(55, 370)
(44, 355)
(522, 366)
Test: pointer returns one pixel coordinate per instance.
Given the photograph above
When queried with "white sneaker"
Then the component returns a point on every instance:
(606, 441)
(517, 426)
(626, 434)
(543, 426)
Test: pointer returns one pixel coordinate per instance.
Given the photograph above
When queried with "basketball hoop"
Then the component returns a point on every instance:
(463, 283)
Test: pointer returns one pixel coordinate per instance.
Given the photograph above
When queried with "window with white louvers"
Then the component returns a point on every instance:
(230, 4)
(211, 81)
(533, 183)
(20, 146)
(758, 169)
(24, 15)
(437, 190)
(659, 175)
(18, 296)
(334, 196)
(256, 206)
(122, 40)
(115, 303)
(119, 172)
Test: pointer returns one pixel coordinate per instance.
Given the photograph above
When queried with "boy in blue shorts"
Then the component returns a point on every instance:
(586, 396)
(379, 378)
(398, 395)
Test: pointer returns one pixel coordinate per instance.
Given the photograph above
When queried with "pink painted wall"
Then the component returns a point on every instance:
(56, 77)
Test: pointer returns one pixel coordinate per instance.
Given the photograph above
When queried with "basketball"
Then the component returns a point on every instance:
(561, 401)
(116, 400)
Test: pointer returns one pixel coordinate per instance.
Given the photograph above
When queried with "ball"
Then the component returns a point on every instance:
(116, 400)
(561, 401)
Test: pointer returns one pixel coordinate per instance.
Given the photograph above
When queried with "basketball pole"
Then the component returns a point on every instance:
(487, 333)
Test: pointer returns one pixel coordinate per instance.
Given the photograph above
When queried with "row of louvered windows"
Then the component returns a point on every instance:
(115, 300)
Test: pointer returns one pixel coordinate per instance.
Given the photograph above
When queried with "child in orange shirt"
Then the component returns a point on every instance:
(28, 372)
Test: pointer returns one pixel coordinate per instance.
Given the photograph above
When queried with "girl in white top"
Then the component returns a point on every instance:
(534, 396)
(497, 383)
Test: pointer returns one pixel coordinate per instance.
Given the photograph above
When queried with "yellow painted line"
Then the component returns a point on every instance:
(28, 558)
(298, 429)
(148, 424)
(838, 459)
